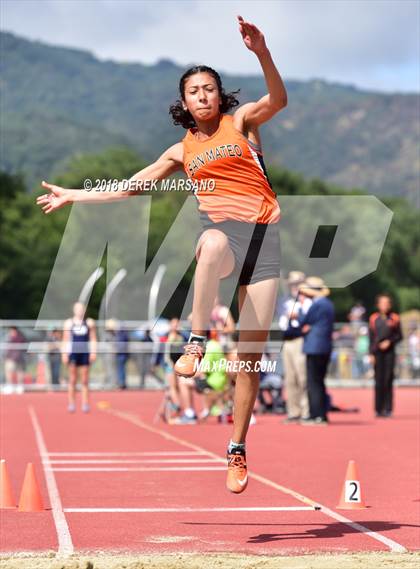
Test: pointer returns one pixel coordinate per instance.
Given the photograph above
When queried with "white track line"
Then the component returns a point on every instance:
(65, 544)
(184, 510)
(136, 461)
(138, 469)
(391, 544)
(104, 454)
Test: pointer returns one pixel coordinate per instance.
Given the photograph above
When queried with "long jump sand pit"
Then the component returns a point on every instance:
(212, 561)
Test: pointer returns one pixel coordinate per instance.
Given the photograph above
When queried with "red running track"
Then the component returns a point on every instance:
(119, 459)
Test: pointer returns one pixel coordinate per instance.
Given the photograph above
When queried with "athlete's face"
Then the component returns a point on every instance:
(201, 96)
(78, 310)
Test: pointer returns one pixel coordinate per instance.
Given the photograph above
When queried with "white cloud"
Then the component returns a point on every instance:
(370, 43)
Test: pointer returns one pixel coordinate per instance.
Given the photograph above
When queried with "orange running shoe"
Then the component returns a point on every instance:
(237, 475)
(187, 364)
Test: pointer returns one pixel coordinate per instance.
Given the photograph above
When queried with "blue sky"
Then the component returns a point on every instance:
(373, 44)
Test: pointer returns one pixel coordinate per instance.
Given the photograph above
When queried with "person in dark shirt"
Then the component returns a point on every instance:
(15, 359)
(384, 334)
(121, 355)
(54, 355)
(316, 326)
(78, 353)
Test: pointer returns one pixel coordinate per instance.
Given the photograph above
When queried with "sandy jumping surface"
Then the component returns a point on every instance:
(211, 561)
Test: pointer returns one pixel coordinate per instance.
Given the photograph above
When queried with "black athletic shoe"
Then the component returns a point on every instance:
(290, 420)
(316, 421)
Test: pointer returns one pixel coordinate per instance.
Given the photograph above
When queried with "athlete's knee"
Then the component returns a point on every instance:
(214, 247)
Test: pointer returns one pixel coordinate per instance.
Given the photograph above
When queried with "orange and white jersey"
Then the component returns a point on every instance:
(242, 191)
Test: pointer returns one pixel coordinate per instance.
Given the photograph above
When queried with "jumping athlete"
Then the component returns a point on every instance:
(240, 234)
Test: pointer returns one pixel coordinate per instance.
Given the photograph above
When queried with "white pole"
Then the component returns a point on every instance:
(110, 289)
(89, 284)
(154, 292)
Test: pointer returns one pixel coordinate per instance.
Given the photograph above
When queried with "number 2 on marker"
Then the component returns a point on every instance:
(352, 493)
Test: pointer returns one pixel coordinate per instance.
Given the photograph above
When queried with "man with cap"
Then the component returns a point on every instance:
(317, 329)
(294, 360)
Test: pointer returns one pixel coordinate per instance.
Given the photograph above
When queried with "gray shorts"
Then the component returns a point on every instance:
(256, 248)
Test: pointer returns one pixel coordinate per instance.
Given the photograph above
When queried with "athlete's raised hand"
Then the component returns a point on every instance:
(253, 38)
(54, 200)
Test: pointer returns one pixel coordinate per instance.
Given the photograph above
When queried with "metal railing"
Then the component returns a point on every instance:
(35, 370)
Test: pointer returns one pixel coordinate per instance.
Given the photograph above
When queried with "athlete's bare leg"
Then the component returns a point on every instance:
(173, 388)
(256, 305)
(186, 391)
(215, 261)
(84, 380)
(71, 389)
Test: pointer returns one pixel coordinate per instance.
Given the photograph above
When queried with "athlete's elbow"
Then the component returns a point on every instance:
(279, 103)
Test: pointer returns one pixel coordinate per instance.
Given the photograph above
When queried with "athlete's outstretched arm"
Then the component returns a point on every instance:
(261, 111)
(168, 163)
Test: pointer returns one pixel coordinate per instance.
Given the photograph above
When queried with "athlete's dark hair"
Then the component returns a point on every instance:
(184, 118)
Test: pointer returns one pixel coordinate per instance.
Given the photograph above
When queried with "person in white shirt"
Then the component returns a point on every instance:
(294, 360)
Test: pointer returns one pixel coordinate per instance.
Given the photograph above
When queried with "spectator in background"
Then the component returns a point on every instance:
(361, 348)
(414, 353)
(54, 355)
(109, 353)
(14, 365)
(159, 334)
(317, 329)
(294, 360)
(213, 379)
(357, 315)
(271, 384)
(345, 341)
(384, 334)
(79, 352)
(222, 320)
(173, 348)
(121, 341)
(143, 354)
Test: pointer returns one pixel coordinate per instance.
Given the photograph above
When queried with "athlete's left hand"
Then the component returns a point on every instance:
(253, 38)
(92, 358)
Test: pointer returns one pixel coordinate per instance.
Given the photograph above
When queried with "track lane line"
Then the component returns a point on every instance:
(390, 543)
(136, 469)
(179, 453)
(65, 544)
(186, 510)
(99, 461)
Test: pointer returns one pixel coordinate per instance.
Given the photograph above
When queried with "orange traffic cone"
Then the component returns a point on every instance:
(7, 499)
(351, 494)
(30, 497)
